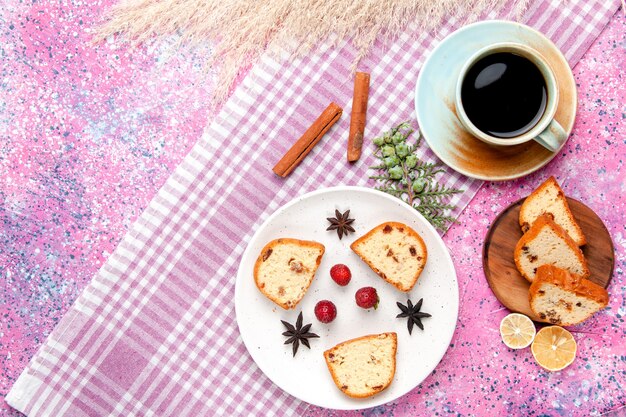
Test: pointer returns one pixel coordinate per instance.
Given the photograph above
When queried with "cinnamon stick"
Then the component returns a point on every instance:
(308, 140)
(358, 115)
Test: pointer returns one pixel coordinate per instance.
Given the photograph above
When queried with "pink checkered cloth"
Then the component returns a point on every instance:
(154, 334)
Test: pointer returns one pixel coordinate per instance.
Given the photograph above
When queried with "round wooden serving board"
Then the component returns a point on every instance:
(508, 285)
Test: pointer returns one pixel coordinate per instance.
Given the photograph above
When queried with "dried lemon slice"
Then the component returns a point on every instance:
(517, 331)
(554, 348)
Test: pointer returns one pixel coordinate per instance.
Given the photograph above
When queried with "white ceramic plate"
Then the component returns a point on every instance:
(306, 376)
(436, 113)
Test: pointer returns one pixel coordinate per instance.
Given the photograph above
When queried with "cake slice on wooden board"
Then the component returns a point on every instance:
(549, 198)
(563, 298)
(285, 269)
(395, 252)
(364, 366)
(547, 243)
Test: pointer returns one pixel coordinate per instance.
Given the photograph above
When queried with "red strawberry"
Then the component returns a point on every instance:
(325, 311)
(341, 274)
(367, 297)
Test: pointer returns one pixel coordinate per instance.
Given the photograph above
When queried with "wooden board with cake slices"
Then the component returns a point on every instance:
(508, 285)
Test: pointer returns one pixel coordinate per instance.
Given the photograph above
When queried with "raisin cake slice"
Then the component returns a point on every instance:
(549, 198)
(285, 269)
(395, 252)
(546, 243)
(561, 298)
(363, 366)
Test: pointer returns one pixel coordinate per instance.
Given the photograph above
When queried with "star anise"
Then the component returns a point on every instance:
(341, 223)
(413, 313)
(298, 334)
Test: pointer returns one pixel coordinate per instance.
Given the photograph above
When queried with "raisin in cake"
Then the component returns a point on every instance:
(395, 252)
(285, 269)
(546, 243)
(364, 366)
(559, 297)
(548, 198)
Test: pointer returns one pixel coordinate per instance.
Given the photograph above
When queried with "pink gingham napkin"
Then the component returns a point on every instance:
(154, 334)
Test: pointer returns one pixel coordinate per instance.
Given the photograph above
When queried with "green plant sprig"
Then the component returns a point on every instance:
(402, 174)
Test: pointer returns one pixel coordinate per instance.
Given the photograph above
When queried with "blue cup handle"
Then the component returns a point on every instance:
(553, 136)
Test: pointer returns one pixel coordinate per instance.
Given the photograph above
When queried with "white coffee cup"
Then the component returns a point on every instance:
(546, 131)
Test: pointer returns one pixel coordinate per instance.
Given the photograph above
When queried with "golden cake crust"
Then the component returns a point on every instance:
(563, 298)
(550, 199)
(525, 252)
(368, 374)
(395, 252)
(285, 268)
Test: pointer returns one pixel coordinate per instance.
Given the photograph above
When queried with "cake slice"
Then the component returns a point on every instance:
(548, 198)
(565, 299)
(395, 252)
(285, 269)
(364, 366)
(546, 243)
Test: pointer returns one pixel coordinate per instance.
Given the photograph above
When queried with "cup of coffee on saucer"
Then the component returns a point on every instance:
(507, 94)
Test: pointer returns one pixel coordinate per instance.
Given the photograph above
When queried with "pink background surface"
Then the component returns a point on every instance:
(88, 135)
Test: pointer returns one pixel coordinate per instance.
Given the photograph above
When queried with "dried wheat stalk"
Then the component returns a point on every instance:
(242, 30)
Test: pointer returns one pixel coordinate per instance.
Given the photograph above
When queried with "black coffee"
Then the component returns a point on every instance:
(504, 95)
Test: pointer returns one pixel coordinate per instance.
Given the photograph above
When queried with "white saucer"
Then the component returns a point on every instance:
(306, 375)
(436, 112)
